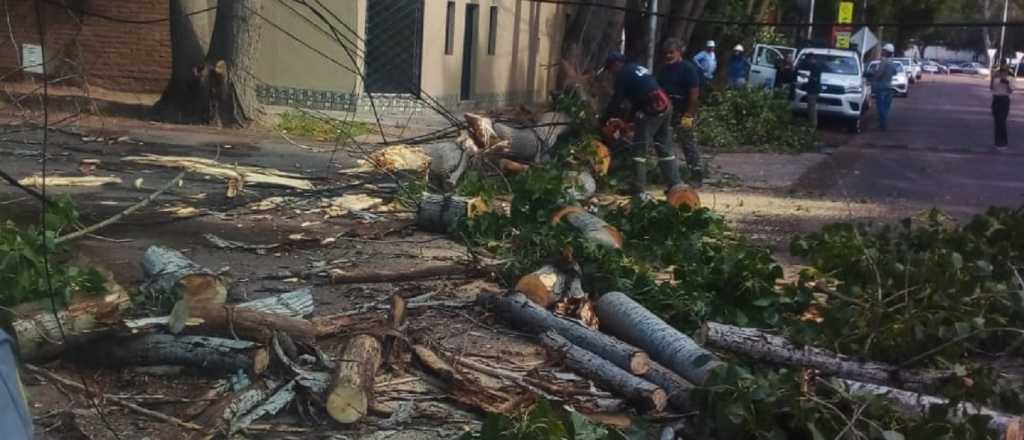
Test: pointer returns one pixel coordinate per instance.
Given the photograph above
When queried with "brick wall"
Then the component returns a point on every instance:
(115, 56)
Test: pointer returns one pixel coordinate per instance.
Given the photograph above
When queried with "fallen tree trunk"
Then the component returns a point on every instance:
(166, 271)
(1009, 427)
(759, 345)
(444, 213)
(449, 160)
(352, 389)
(606, 374)
(591, 226)
(429, 272)
(626, 319)
(294, 304)
(44, 335)
(677, 388)
(548, 285)
(236, 322)
(534, 319)
(207, 354)
(529, 144)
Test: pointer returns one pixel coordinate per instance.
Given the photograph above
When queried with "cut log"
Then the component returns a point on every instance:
(166, 271)
(915, 405)
(682, 194)
(591, 226)
(531, 318)
(292, 304)
(606, 374)
(456, 270)
(757, 344)
(580, 185)
(549, 285)
(449, 160)
(39, 333)
(214, 355)
(626, 319)
(352, 389)
(444, 213)
(528, 144)
(240, 174)
(677, 388)
(235, 322)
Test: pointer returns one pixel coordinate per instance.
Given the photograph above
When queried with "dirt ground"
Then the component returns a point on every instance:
(768, 197)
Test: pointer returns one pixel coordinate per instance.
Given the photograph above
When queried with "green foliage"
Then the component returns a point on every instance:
(298, 123)
(22, 266)
(752, 120)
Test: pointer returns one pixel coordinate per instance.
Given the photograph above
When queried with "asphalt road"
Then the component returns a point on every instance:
(937, 153)
(944, 112)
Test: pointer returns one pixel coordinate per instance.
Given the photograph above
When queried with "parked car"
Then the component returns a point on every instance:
(844, 91)
(934, 68)
(913, 68)
(955, 68)
(900, 82)
(975, 69)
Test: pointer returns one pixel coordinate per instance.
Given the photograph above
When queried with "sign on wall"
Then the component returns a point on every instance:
(32, 58)
(845, 13)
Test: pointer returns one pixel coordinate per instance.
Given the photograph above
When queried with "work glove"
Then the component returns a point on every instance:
(687, 122)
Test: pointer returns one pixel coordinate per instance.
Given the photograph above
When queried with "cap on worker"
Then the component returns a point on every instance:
(738, 48)
(889, 48)
(711, 43)
(614, 57)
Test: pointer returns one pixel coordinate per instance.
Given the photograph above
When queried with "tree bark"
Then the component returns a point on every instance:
(1009, 427)
(591, 226)
(352, 390)
(531, 318)
(677, 388)
(166, 271)
(759, 345)
(218, 88)
(39, 336)
(295, 304)
(237, 322)
(626, 319)
(606, 374)
(199, 352)
(593, 31)
(444, 213)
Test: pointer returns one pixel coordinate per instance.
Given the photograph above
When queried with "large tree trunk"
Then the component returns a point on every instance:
(759, 345)
(199, 352)
(529, 317)
(626, 319)
(606, 374)
(593, 31)
(237, 322)
(213, 86)
(683, 29)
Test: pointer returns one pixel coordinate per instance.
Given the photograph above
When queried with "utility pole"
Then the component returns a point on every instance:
(810, 23)
(652, 31)
(1002, 33)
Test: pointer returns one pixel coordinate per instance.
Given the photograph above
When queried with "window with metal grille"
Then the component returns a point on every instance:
(492, 32)
(449, 30)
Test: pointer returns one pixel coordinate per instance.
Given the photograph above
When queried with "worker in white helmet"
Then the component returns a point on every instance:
(881, 85)
(739, 67)
(707, 62)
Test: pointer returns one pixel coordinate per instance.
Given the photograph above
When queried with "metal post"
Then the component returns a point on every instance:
(1002, 33)
(652, 31)
(810, 23)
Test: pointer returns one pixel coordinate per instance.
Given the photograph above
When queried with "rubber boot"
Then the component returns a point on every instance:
(639, 176)
(696, 177)
(669, 167)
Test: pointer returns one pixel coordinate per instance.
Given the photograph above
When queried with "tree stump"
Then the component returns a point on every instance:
(352, 390)
(444, 213)
(166, 271)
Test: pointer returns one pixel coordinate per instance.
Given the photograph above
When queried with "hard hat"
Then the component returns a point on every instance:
(711, 43)
(889, 48)
(738, 48)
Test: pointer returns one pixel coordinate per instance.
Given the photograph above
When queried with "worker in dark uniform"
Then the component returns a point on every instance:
(652, 110)
(681, 79)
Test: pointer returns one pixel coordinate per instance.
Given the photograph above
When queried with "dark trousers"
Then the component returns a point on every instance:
(656, 130)
(1000, 111)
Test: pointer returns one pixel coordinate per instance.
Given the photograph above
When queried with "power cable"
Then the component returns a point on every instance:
(47, 276)
(87, 13)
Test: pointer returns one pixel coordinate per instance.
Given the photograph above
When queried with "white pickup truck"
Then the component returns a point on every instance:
(844, 91)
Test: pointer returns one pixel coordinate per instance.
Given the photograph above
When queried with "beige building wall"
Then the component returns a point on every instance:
(287, 63)
(529, 38)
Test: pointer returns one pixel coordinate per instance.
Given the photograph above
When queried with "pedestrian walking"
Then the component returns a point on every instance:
(881, 85)
(813, 86)
(681, 80)
(707, 62)
(652, 110)
(739, 68)
(1002, 86)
